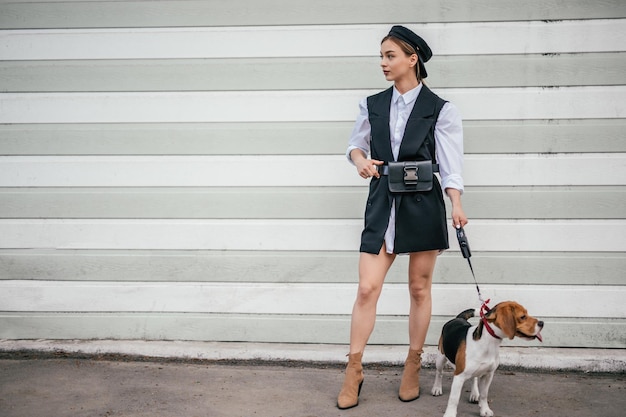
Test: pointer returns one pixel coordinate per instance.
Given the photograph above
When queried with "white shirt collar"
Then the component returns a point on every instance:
(408, 97)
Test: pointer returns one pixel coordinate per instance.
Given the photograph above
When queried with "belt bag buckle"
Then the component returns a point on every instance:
(410, 176)
(410, 173)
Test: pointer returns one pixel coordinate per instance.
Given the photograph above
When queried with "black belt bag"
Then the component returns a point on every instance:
(410, 176)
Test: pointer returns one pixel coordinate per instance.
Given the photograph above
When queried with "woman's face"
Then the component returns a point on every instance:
(395, 63)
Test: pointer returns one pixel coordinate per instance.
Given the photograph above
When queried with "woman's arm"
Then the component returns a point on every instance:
(449, 144)
(459, 219)
(365, 167)
(359, 145)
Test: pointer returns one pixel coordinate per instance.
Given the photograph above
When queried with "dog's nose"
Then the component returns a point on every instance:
(540, 324)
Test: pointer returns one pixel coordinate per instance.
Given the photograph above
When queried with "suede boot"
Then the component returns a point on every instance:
(410, 385)
(349, 395)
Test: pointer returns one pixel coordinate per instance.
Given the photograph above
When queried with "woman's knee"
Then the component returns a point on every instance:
(420, 288)
(421, 269)
(368, 293)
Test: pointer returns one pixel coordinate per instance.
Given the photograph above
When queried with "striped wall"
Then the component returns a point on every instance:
(174, 170)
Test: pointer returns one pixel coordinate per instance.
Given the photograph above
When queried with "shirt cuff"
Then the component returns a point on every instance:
(453, 181)
(350, 149)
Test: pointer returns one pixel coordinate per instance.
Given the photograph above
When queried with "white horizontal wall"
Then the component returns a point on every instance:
(329, 299)
(301, 106)
(549, 120)
(282, 171)
(326, 41)
(299, 235)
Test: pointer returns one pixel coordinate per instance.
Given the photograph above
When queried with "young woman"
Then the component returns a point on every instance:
(406, 122)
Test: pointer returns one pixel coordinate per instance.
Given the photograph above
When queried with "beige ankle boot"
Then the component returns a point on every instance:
(410, 385)
(349, 395)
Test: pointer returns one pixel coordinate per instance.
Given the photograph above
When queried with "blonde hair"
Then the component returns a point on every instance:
(408, 50)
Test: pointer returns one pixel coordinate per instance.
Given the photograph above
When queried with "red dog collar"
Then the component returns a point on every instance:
(485, 309)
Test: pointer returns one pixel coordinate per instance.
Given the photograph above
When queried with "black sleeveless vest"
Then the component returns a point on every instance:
(420, 217)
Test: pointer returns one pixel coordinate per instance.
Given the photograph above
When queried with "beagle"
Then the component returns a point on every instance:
(474, 353)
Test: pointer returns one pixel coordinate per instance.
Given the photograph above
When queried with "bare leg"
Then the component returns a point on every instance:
(372, 272)
(421, 267)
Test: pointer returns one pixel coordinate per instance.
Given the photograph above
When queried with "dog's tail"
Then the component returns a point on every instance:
(467, 314)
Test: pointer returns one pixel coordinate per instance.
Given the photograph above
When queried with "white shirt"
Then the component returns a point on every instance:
(448, 142)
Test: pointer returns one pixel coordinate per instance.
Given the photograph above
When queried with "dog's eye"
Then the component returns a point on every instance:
(523, 318)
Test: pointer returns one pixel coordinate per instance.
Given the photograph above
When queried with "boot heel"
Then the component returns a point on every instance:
(410, 385)
(352, 384)
(357, 400)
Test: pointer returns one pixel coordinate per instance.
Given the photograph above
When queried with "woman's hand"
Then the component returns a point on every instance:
(365, 167)
(459, 219)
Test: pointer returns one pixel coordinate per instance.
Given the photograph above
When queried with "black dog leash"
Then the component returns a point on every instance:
(467, 253)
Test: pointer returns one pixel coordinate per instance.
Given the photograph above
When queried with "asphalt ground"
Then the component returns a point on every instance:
(55, 385)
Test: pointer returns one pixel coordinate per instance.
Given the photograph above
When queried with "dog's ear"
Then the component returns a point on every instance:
(503, 315)
(478, 332)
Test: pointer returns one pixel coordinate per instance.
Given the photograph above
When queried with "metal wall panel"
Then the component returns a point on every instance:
(544, 136)
(254, 74)
(155, 13)
(121, 122)
(538, 268)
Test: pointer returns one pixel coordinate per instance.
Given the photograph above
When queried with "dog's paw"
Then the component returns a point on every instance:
(436, 391)
(475, 393)
(450, 414)
(474, 397)
(486, 412)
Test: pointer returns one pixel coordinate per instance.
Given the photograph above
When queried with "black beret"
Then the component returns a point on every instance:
(421, 47)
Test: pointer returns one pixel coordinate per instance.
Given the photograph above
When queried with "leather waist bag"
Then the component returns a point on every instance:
(409, 176)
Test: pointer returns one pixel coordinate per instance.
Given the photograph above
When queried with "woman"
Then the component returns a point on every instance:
(407, 122)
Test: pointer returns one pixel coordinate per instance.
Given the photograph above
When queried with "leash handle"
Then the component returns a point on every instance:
(463, 243)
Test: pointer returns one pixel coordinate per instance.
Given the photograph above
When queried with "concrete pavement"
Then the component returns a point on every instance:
(58, 382)
(57, 387)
